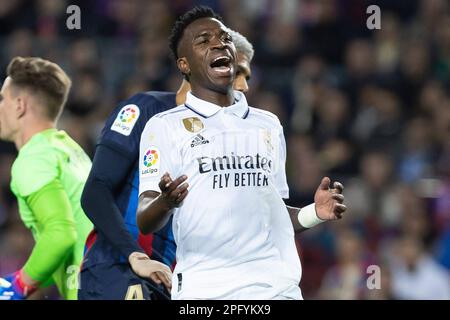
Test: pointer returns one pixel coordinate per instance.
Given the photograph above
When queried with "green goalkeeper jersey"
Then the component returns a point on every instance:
(47, 178)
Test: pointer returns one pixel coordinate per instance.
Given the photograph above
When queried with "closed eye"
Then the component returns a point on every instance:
(227, 37)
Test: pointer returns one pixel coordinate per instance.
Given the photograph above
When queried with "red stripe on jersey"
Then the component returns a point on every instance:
(146, 243)
(172, 267)
(90, 240)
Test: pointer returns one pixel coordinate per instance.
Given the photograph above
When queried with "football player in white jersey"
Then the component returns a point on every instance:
(234, 237)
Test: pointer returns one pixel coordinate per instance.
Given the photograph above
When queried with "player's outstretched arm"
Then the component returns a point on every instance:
(154, 208)
(51, 208)
(109, 171)
(328, 205)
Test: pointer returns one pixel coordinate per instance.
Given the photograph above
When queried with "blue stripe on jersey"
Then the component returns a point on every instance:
(164, 245)
(130, 213)
(195, 111)
(169, 250)
(162, 114)
(246, 114)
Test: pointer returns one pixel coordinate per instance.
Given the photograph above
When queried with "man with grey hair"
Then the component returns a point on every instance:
(245, 54)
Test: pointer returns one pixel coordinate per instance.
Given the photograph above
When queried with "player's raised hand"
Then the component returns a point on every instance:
(329, 202)
(173, 192)
(147, 268)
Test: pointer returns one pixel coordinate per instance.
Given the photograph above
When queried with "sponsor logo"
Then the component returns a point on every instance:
(193, 124)
(233, 162)
(198, 140)
(253, 170)
(126, 119)
(151, 161)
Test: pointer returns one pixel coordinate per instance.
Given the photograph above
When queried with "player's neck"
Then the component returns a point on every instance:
(218, 98)
(31, 129)
(182, 92)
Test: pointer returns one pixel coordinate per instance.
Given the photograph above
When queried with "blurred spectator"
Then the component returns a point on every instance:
(16, 243)
(378, 120)
(374, 192)
(347, 279)
(307, 84)
(415, 275)
(303, 169)
(417, 154)
(385, 291)
(387, 44)
(270, 101)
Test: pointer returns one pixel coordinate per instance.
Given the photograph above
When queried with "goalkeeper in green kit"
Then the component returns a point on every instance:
(47, 177)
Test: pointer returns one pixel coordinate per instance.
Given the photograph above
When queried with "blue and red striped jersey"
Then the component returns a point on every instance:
(122, 133)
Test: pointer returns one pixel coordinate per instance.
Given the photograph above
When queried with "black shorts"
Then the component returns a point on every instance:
(117, 282)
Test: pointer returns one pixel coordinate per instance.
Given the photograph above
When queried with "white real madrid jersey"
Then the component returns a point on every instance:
(232, 230)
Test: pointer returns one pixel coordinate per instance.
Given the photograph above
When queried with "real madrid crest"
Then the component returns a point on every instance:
(193, 124)
(267, 138)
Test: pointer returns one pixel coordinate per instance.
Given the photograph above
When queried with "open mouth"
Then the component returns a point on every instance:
(221, 65)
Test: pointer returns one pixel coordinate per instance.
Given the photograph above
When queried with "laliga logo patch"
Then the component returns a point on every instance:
(151, 162)
(126, 119)
(193, 124)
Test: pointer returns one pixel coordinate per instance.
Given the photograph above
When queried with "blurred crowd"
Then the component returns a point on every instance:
(368, 108)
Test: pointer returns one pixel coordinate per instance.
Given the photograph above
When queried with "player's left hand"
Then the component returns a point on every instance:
(329, 202)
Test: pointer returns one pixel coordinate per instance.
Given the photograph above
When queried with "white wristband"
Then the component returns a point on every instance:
(307, 216)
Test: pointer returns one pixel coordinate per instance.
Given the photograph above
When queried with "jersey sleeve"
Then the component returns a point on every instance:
(53, 212)
(158, 155)
(33, 170)
(280, 179)
(124, 126)
(109, 170)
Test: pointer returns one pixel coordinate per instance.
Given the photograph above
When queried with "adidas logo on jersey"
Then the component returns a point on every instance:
(198, 140)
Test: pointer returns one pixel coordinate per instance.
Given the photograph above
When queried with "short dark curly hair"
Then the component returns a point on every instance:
(185, 20)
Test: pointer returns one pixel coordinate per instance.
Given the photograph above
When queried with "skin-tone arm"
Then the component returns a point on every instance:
(153, 212)
(154, 208)
(328, 204)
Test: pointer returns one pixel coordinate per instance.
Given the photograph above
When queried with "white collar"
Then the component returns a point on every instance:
(207, 109)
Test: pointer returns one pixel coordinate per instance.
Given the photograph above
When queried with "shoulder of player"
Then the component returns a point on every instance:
(170, 121)
(150, 97)
(138, 109)
(176, 112)
(263, 115)
(38, 144)
(35, 155)
(151, 102)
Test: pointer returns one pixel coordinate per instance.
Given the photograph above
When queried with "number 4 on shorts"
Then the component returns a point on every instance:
(134, 292)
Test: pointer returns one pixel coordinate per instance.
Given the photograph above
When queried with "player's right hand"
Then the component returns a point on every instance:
(173, 192)
(147, 268)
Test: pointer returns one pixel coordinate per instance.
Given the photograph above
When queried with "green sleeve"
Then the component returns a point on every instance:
(33, 169)
(55, 221)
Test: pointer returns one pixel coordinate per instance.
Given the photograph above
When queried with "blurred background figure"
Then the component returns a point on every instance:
(415, 275)
(346, 280)
(370, 108)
